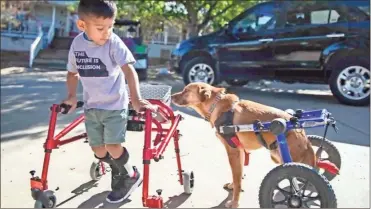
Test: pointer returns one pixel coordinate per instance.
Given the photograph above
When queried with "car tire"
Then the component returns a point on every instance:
(194, 64)
(338, 69)
(236, 82)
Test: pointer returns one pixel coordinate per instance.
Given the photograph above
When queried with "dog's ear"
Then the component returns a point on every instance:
(205, 93)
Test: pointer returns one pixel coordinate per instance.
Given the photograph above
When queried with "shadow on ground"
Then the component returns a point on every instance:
(229, 197)
(25, 103)
(79, 190)
(176, 201)
(100, 200)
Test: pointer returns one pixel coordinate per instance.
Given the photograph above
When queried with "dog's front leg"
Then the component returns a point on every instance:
(236, 157)
(236, 160)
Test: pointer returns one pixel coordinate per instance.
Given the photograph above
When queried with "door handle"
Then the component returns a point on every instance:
(266, 40)
(335, 35)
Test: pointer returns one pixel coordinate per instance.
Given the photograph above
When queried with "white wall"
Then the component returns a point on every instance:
(60, 18)
(16, 44)
(154, 50)
(44, 14)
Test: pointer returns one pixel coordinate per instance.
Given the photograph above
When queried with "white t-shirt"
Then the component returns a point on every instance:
(100, 71)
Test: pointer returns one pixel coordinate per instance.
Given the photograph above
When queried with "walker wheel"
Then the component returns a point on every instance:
(296, 185)
(329, 153)
(188, 182)
(96, 170)
(47, 199)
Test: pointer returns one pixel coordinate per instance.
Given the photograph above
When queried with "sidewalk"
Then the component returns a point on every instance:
(24, 121)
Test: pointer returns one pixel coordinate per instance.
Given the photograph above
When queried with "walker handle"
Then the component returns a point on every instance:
(64, 108)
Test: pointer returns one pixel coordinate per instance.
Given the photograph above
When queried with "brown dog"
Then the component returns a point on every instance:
(210, 102)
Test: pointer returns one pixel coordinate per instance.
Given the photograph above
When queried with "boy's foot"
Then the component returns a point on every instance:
(127, 186)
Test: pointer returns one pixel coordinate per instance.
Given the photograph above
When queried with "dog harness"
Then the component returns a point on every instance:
(225, 123)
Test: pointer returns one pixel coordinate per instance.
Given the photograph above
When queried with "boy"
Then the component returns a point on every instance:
(103, 62)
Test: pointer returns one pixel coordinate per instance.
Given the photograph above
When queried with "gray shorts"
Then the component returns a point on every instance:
(105, 126)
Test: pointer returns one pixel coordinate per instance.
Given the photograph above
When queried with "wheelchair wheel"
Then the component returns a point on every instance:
(329, 153)
(304, 187)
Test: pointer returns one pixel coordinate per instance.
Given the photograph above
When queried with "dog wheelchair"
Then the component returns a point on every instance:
(299, 175)
(147, 121)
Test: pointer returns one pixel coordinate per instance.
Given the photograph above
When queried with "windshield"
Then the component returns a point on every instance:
(365, 9)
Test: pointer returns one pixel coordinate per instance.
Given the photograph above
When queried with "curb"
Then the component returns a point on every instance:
(14, 70)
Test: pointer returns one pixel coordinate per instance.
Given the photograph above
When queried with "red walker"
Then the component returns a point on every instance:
(156, 94)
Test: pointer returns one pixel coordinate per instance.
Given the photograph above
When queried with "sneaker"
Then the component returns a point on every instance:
(126, 185)
(115, 196)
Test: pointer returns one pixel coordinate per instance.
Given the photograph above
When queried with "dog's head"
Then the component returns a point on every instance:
(195, 94)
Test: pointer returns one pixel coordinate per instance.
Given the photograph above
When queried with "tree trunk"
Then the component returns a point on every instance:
(193, 30)
(192, 19)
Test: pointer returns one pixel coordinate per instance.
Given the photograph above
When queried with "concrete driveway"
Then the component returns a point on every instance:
(26, 97)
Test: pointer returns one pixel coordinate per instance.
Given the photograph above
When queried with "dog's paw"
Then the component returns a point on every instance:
(231, 204)
(228, 186)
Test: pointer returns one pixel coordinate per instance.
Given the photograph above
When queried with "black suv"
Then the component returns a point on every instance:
(291, 41)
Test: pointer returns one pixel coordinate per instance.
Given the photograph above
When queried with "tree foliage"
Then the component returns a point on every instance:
(195, 16)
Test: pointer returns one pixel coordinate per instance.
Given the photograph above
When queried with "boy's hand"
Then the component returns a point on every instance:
(72, 101)
(141, 105)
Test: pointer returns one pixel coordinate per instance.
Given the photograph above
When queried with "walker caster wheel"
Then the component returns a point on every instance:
(188, 182)
(304, 187)
(47, 199)
(96, 170)
(331, 154)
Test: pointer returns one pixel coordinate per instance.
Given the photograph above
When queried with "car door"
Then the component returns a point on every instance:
(309, 29)
(250, 47)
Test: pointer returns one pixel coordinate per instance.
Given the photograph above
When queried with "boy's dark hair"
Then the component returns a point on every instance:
(97, 8)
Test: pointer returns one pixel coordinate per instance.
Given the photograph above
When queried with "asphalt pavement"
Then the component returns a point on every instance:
(25, 101)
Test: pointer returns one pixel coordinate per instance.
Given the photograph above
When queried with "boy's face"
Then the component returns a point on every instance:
(98, 29)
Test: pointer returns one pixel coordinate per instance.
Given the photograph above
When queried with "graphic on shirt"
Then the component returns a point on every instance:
(90, 66)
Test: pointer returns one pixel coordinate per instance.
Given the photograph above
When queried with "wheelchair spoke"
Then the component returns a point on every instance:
(294, 187)
(307, 199)
(304, 187)
(284, 192)
(279, 202)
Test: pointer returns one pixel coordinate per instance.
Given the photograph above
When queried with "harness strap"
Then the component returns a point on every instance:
(213, 106)
(227, 119)
(228, 129)
(229, 133)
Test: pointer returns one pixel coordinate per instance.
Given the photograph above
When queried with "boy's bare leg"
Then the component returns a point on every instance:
(115, 150)
(99, 151)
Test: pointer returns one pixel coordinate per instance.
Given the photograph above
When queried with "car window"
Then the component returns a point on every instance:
(312, 16)
(359, 13)
(324, 16)
(262, 18)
